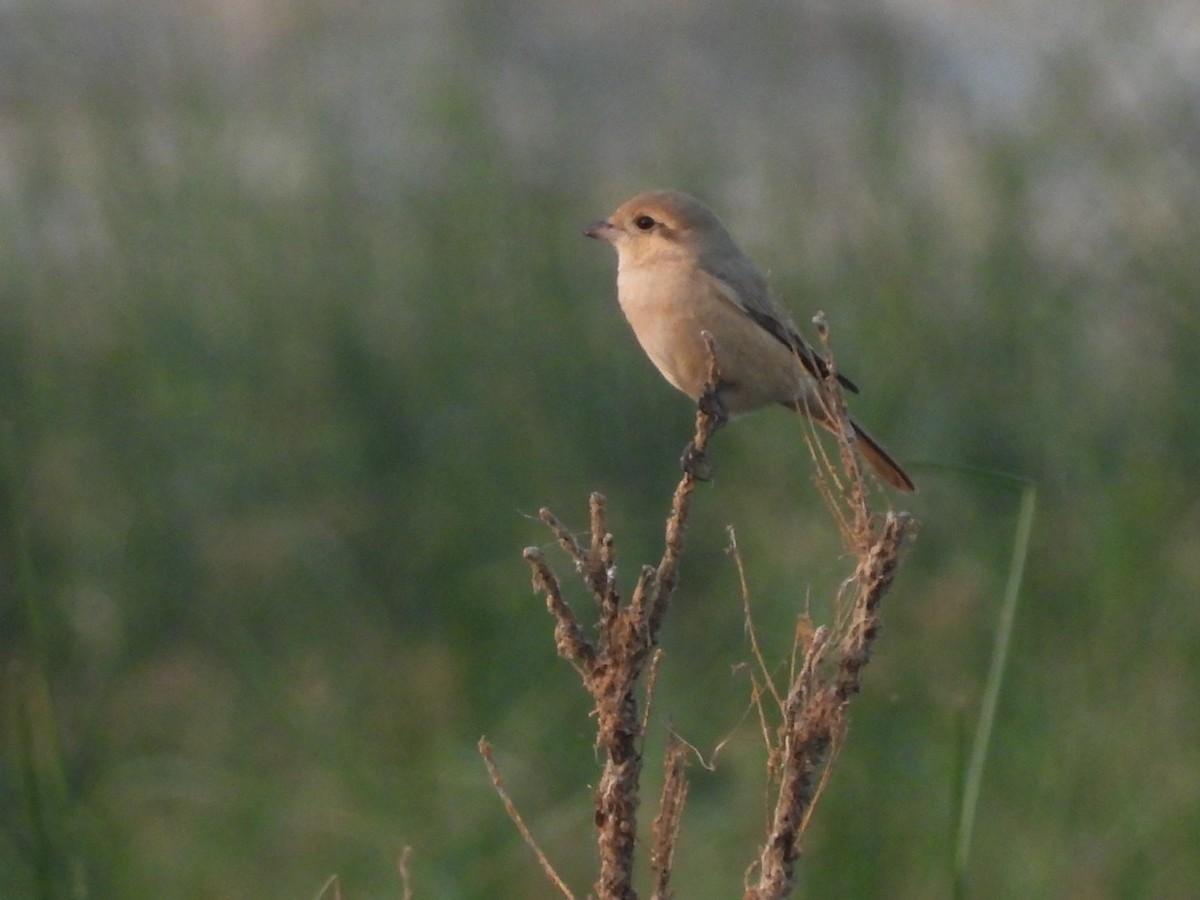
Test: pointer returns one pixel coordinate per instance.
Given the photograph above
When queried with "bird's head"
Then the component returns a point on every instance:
(661, 225)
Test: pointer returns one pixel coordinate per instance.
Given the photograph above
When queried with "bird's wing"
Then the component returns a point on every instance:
(749, 292)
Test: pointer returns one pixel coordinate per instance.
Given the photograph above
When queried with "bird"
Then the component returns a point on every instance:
(680, 274)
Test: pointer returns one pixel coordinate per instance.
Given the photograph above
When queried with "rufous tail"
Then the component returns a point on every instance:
(887, 468)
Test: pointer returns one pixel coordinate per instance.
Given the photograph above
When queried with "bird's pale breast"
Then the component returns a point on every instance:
(669, 306)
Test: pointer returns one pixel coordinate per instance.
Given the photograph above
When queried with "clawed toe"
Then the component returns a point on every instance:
(710, 404)
(694, 462)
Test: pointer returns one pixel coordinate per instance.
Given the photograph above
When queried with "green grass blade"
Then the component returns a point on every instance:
(991, 693)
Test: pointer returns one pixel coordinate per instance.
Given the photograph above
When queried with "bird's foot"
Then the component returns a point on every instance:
(710, 404)
(695, 457)
(694, 462)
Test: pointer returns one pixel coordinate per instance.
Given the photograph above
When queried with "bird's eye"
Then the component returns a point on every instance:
(644, 223)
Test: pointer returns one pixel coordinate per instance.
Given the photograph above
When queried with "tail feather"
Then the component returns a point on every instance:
(881, 461)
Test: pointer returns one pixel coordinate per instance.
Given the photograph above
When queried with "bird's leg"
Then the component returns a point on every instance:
(711, 405)
(711, 415)
(694, 462)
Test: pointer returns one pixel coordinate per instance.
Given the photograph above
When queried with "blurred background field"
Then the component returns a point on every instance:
(298, 330)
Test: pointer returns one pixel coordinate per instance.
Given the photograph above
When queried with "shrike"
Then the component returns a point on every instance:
(679, 274)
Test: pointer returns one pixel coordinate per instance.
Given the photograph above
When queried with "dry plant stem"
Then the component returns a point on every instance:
(651, 681)
(402, 871)
(485, 750)
(814, 714)
(568, 634)
(670, 815)
(333, 883)
(612, 665)
(855, 490)
(631, 637)
(751, 632)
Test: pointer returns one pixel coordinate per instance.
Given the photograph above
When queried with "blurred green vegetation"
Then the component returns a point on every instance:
(298, 331)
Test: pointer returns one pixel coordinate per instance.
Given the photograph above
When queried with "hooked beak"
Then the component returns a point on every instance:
(601, 230)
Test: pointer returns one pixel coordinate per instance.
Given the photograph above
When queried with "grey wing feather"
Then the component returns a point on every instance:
(746, 288)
